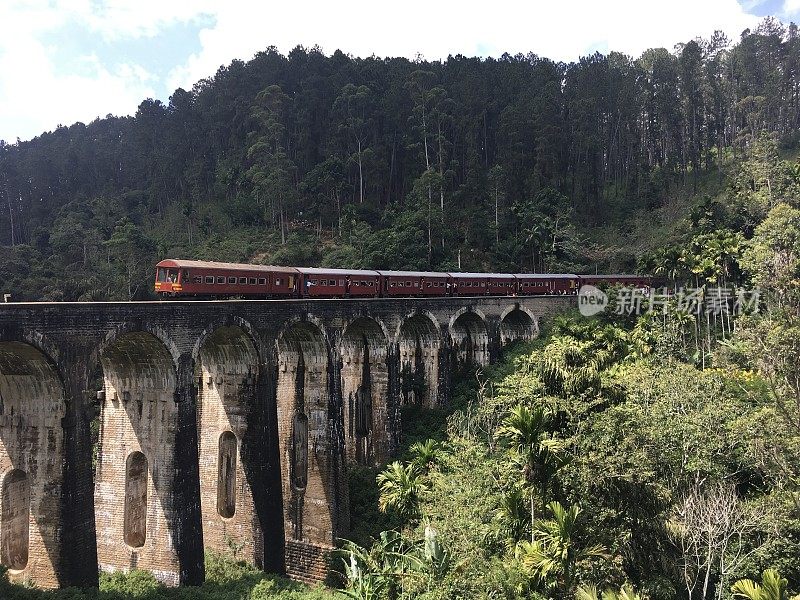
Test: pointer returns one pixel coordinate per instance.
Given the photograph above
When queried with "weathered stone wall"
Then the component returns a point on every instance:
(31, 453)
(135, 520)
(227, 376)
(291, 390)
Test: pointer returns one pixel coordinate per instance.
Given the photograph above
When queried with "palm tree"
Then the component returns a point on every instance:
(540, 454)
(772, 587)
(589, 592)
(510, 520)
(425, 454)
(553, 558)
(400, 489)
(377, 572)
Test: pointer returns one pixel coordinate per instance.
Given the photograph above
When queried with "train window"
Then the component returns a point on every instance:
(483, 284)
(416, 284)
(251, 280)
(232, 280)
(341, 282)
(185, 276)
(291, 281)
(242, 280)
(370, 283)
(313, 282)
(392, 284)
(209, 279)
(262, 281)
(278, 281)
(220, 280)
(408, 284)
(197, 279)
(427, 284)
(161, 275)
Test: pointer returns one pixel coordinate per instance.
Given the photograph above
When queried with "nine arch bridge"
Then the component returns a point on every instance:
(137, 435)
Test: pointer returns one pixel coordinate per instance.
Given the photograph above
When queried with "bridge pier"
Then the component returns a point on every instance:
(227, 375)
(32, 409)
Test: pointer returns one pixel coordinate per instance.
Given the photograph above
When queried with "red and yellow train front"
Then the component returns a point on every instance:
(168, 278)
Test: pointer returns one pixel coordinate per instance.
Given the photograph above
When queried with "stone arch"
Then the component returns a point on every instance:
(470, 338)
(517, 323)
(138, 415)
(227, 371)
(419, 342)
(304, 410)
(365, 390)
(32, 406)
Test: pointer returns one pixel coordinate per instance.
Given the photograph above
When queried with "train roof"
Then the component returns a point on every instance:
(546, 276)
(483, 275)
(617, 276)
(204, 264)
(324, 271)
(413, 273)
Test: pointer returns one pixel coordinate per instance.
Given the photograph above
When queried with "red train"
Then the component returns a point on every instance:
(200, 279)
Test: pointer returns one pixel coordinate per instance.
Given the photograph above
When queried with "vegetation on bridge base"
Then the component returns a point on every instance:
(226, 579)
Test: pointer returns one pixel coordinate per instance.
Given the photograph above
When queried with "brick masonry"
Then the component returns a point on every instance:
(223, 425)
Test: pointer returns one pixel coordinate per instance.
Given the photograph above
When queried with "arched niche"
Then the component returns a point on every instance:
(365, 380)
(32, 406)
(138, 422)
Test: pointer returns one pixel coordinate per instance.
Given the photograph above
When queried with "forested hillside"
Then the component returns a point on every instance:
(514, 163)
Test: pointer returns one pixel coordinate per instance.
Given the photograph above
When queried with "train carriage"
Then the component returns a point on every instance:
(338, 283)
(501, 284)
(414, 283)
(536, 284)
(216, 279)
(469, 284)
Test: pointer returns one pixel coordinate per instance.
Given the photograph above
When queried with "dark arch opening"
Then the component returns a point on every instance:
(365, 380)
(418, 343)
(470, 340)
(517, 325)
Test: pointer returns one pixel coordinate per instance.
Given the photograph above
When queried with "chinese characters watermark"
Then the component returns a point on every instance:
(689, 300)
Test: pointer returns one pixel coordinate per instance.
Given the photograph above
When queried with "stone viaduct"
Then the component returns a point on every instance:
(138, 435)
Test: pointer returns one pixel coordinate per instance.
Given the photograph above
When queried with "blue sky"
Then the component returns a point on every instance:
(63, 61)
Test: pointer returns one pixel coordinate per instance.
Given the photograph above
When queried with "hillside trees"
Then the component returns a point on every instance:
(460, 142)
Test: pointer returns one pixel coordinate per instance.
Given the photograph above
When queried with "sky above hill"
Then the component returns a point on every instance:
(63, 61)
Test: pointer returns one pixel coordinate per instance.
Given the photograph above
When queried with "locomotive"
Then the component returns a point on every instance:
(203, 279)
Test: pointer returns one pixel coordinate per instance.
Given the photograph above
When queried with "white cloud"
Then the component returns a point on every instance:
(39, 92)
(562, 30)
(36, 93)
(791, 7)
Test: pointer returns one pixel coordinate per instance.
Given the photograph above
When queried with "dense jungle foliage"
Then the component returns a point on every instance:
(515, 163)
